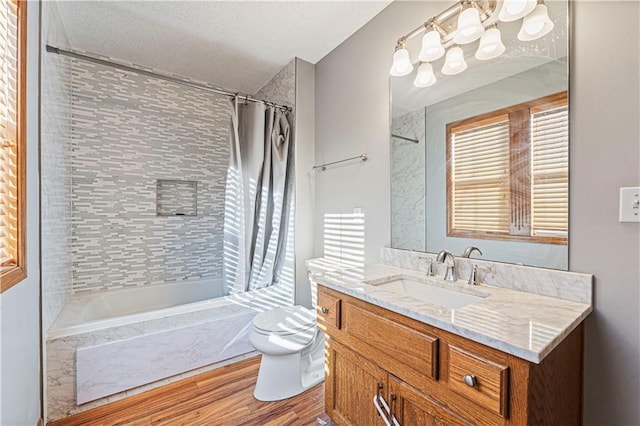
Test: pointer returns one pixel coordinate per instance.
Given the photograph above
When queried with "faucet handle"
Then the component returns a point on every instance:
(473, 277)
(430, 267)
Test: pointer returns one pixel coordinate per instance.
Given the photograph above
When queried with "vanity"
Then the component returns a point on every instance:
(482, 354)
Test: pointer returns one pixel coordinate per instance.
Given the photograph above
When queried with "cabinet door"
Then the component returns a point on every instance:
(351, 382)
(412, 408)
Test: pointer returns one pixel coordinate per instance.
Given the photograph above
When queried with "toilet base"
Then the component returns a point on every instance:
(285, 376)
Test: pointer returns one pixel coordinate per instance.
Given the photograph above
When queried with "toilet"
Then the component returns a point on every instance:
(292, 349)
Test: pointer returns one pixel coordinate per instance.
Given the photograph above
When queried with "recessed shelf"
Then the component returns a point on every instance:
(176, 197)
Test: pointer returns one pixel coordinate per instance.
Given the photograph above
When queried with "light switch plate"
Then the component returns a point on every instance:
(630, 204)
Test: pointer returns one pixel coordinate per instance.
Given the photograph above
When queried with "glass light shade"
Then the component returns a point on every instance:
(432, 48)
(515, 9)
(469, 26)
(401, 63)
(491, 45)
(425, 76)
(454, 63)
(536, 24)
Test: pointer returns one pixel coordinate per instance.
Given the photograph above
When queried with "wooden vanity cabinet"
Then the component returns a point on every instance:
(421, 375)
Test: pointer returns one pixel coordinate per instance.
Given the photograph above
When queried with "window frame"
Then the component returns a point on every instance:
(520, 180)
(13, 274)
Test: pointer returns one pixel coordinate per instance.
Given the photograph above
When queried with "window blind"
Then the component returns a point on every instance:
(8, 133)
(549, 171)
(480, 178)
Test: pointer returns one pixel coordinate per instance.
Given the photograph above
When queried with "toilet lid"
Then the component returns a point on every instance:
(285, 320)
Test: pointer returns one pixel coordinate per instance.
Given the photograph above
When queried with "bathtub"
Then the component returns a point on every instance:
(107, 346)
(120, 307)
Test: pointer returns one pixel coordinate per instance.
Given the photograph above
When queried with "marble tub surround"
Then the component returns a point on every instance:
(526, 325)
(573, 286)
(192, 342)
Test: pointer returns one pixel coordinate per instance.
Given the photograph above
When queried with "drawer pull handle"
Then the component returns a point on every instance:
(470, 380)
(325, 310)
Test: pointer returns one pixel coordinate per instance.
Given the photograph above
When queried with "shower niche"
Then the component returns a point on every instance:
(176, 197)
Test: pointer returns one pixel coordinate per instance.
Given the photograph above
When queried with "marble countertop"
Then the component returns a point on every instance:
(526, 325)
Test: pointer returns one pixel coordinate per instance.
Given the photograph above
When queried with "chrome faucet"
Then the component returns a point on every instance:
(450, 274)
(469, 250)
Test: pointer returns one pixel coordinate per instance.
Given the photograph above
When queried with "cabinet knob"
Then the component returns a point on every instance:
(470, 380)
(325, 310)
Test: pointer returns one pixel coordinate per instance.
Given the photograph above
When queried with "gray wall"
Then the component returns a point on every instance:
(352, 114)
(605, 155)
(19, 306)
(304, 191)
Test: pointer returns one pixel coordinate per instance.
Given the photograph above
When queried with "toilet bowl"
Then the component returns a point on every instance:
(292, 350)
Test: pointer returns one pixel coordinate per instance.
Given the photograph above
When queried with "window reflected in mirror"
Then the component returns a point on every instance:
(507, 173)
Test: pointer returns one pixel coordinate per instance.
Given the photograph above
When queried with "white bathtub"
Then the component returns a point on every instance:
(109, 345)
(120, 307)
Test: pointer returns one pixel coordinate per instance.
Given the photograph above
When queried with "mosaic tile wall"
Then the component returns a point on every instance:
(55, 169)
(128, 131)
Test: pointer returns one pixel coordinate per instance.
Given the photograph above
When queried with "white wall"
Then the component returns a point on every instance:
(352, 115)
(20, 335)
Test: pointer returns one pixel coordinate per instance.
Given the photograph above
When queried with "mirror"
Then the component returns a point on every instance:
(524, 220)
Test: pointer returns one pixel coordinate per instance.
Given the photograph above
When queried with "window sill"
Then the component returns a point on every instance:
(10, 276)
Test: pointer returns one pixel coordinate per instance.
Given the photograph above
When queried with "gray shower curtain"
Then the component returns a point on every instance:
(256, 216)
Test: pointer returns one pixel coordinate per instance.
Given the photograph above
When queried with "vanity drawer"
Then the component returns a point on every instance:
(479, 380)
(329, 309)
(400, 349)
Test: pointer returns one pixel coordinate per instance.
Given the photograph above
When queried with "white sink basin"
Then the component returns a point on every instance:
(429, 293)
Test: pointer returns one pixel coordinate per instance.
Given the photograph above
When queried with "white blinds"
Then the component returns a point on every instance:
(8, 134)
(549, 170)
(480, 178)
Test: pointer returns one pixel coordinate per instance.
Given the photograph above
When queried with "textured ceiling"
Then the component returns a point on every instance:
(239, 45)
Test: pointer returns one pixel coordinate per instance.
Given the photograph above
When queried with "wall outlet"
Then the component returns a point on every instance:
(630, 204)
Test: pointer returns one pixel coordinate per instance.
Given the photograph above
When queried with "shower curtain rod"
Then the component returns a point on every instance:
(76, 55)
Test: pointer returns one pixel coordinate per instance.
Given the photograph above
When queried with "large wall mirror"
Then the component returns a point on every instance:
(480, 158)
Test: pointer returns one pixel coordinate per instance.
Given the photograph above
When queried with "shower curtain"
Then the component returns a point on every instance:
(256, 216)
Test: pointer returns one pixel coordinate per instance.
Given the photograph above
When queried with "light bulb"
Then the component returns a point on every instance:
(425, 76)
(491, 45)
(431, 47)
(513, 10)
(401, 63)
(454, 63)
(469, 26)
(536, 24)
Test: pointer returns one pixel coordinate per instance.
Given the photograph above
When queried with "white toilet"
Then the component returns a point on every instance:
(292, 350)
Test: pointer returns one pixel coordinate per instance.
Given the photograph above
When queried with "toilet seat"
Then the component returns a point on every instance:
(285, 321)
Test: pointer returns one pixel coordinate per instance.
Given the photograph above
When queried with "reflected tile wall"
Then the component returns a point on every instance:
(408, 182)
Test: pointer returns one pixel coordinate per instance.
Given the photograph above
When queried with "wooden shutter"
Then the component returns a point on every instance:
(550, 171)
(9, 226)
(479, 178)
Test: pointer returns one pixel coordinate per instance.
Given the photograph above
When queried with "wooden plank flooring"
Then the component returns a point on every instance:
(220, 397)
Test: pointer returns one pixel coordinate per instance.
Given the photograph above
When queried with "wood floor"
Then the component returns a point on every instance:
(219, 397)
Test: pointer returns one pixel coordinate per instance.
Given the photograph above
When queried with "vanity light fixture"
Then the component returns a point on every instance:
(401, 61)
(465, 22)
(512, 10)
(536, 24)
(491, 45)
(425, 76)
(470, 27)
(454, 62)
(432, 48)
